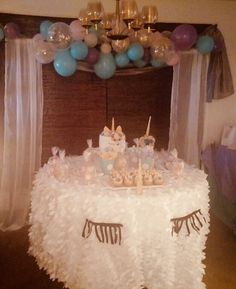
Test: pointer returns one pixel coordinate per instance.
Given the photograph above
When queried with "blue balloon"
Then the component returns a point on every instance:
(157, 63)
(1, 34)
(135, 51)
(97, 32)
(79, 50)
(106, 66)
(64, 63)
(44, 28)
(205, 44)
(122, 60)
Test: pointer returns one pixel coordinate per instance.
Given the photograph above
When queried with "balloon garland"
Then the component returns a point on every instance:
(64, 45)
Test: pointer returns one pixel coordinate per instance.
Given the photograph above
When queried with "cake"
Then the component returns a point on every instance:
(112, 139)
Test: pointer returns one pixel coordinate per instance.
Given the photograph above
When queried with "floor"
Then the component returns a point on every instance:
(19, 270)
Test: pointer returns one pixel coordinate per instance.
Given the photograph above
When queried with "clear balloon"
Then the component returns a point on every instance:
(93, 56)
(79, 50)
(145, 37)
(122, 60)
(205, 44)
(184, 36)
(44, 26)
(105, 67)
(120, 46)
(160, 47)
(11, 30)
(132, 35)
(77, 30)
(135, 51)
(59, 34)
(64, 64)
(44, 52)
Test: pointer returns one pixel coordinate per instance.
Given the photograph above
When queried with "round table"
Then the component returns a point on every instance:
(95, 236)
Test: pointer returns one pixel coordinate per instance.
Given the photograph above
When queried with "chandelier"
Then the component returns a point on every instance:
(109, 43)
(125, 26)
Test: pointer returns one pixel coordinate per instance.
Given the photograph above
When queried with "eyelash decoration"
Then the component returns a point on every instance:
(105, 232)
(192, 220)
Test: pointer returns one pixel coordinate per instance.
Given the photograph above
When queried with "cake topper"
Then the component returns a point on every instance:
(148, 126)
(147, 141)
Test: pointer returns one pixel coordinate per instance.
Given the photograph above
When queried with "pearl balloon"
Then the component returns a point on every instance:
(91, 40)
(105, 48)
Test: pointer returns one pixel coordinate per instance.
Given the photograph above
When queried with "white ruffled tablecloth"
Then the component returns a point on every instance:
(156, 239)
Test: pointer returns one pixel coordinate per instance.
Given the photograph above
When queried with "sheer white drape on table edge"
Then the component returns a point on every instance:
(22, 139)
(187, 106)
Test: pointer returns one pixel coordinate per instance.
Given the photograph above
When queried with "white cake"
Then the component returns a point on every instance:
(112, 140)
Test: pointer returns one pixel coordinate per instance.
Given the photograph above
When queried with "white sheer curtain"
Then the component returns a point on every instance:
(187, 106)
(22, 133)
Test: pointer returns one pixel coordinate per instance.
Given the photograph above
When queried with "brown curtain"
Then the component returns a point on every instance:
(219, 78)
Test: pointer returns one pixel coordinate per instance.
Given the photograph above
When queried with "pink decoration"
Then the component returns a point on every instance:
(184, 36)
(77, 30)
(172, 58)
(156, 35)
(11, 30)
(105, 48)
(93, 56)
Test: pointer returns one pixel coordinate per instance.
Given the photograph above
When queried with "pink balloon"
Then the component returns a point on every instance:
(77, 30)
(11, 30)
(37, 39)
(172, 59)
(156, 35)
(93, 56)
(184, 36)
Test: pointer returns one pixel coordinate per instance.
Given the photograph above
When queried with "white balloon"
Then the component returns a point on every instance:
(91, 39)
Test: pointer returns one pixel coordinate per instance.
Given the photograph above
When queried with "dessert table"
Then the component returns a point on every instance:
(91, 235)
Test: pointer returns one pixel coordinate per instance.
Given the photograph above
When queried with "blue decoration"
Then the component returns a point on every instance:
(135, 51)
(205, 44)
(64, 63)
(79, 50)
(106, 66)
(122, 60)
(44, 28)
(157, 63)
(97, 32)
(140, 63)
(1, 33)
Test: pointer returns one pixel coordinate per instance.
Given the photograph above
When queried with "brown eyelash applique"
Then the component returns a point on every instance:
(192, 220)
(105, 232)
